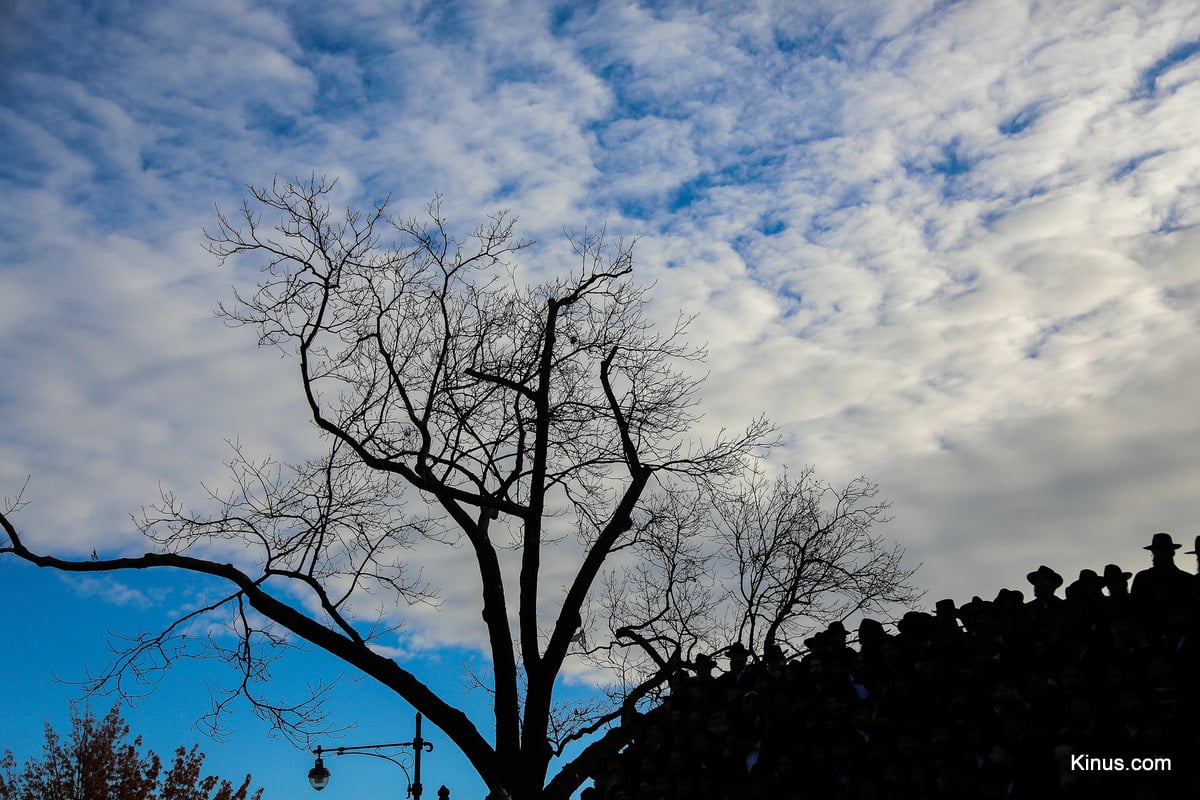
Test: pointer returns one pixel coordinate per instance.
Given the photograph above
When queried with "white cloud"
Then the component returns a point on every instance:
(951, 247)
(115, 592)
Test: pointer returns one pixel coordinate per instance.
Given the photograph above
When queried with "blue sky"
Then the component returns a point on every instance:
(951, 245)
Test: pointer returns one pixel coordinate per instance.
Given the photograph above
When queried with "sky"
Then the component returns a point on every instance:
(954, 246)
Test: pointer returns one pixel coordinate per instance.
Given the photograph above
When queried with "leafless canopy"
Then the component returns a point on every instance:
(802, 552)
(761, 561)
(511, 416)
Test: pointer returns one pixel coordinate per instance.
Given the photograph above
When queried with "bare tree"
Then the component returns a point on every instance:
(512, 416)
(757, 561)
(516, 413)
(804, 553)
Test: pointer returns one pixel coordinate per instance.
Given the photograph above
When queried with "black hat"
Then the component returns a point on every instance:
(946, 607)
(972, 608)
(1089, 583)
(1114, 573)
(916, 623)
(1011, 597)
(872, 626)
(1044, 572)
(1162, 542)
(1196, 545)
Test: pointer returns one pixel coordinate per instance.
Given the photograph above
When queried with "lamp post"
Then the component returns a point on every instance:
(318, 776)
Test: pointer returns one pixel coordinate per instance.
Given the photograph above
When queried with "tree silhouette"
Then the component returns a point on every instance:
(462, 409)
(761, 561)
(97, 761)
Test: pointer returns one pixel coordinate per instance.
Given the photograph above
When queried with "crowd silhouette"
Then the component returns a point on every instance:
(1089, 694)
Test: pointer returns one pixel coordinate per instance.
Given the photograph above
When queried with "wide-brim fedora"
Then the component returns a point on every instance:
(1045, 573)
(1114, 572)
(1161, 543)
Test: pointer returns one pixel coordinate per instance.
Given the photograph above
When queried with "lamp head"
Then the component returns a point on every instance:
(318, 776)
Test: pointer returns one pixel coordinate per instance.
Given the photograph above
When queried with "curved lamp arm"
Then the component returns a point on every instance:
(318, 776)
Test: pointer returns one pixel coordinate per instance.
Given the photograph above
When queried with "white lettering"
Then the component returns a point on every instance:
(1082, 762)
(1086, 763)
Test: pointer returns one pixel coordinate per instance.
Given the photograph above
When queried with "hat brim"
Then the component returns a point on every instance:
(1051, 576)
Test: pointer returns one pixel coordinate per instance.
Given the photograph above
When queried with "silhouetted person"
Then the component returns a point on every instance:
(739, 658)
(1117, 605)
(1085, 601)
(1195, 553)
(947, 633)
(835, 640)
(1086, 590)
(1164, 586)
(946, 612)
(1045, 607)
(871, 636)
(1116, 581)
(704, 667)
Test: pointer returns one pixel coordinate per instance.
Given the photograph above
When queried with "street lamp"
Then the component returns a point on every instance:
(318, 776)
